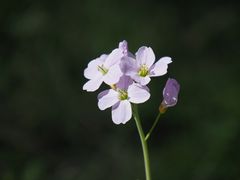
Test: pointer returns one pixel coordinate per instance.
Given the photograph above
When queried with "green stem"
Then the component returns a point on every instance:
(143, 141)
(153, 126)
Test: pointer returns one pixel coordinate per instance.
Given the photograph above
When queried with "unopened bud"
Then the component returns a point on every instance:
(170, 95)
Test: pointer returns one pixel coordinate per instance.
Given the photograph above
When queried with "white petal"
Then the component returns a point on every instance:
(92, 68)
(122, 112)
(103, 93)
(138, 94)
(113, 58)
(166, 60)
(160, 67)
(93, 84)
(145, 56)
(141, 80)
(113, 75)
(107, 99)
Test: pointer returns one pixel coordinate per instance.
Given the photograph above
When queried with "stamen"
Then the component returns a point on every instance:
(143, 71)
(102, 69)
(113, 86)
(122, 94)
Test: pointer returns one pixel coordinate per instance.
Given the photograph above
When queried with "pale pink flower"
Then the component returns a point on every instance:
(120, 99)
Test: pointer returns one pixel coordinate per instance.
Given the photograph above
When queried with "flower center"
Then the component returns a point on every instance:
(102, 69)
(122, 94)
(143, 71)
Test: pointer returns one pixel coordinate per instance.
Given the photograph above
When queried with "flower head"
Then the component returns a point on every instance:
(170, 94)
(103, 69)
(128, 75)
(143, 67)
(120, 99)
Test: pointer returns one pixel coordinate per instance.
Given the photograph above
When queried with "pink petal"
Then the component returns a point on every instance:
(113, 75)
(113, 58)
(124, 82)
(145, 56)
(122, 112)
(128, 66)
(160, 67)
(107, 99)
(93, 84)
(137, 94)
(141, 80)
(166, 60)
(123, 46)
(92, 68)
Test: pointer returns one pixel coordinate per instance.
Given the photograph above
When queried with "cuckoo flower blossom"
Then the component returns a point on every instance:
(103, 69)
(170, 94)
(120, 99)
(143, 67)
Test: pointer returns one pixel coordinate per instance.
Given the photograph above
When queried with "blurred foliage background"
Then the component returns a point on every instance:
(51, 129)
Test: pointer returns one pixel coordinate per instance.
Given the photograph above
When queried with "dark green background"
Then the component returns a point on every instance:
(50, 129)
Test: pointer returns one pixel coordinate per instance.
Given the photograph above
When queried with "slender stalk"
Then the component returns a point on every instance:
(143, 141)
(153, 126)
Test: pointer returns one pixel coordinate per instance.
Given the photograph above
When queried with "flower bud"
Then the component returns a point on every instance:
(124, 47)
(170, 95)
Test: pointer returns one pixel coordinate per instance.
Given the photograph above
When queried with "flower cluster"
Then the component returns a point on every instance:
(127, 76)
